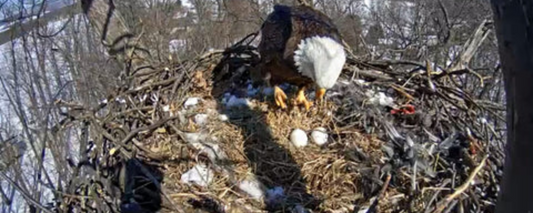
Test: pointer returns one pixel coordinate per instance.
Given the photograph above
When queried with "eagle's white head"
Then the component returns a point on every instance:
(321, 59)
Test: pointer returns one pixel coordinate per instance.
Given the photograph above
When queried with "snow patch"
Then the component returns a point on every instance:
(120, 100)
(299, 209)
(233, 101)
(252, 187)
(223, 118)
(195, 138)
(199, 174)
(201, 119)
(379, 99)
(213, 151)
(191, 102)
(176, 44)
(361, 82)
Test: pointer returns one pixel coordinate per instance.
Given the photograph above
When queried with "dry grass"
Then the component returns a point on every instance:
(256, 141)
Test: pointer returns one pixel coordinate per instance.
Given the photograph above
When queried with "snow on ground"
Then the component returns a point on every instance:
(176, 45)
(199, 174)
(252, 187)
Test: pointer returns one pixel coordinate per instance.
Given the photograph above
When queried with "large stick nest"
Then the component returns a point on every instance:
(143, 139)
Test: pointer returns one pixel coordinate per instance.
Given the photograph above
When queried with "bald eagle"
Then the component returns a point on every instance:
(300, 46)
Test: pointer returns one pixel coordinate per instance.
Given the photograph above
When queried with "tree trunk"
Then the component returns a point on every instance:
(514, 29)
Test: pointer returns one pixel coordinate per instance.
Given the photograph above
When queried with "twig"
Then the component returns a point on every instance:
(146, 128)
(380, 195)
(304, 2)
(459, 190)
(401, 90)
(413, 177)
(434, 197)
(472, 45)
(22, 192)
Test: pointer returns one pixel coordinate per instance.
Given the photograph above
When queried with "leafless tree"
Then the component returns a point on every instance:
(42, 65)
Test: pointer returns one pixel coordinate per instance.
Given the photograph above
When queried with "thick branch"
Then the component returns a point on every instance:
(472, 45)
(513, 20)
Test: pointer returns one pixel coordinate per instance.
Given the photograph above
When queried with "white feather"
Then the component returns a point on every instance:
(321, 59)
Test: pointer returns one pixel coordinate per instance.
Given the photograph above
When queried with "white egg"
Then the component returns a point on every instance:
(298, 138)
(319, 136)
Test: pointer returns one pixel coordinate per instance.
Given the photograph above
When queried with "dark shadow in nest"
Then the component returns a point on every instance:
(141, 192)
(272, 164)
(206, 204)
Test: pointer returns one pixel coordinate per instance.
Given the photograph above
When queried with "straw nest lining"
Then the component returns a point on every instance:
(261, 133)
(326, 171)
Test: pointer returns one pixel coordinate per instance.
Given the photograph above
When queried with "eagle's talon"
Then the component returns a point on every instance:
(280, 97)
(307, 104)
(320, 94)
(281, 104)
(301, 100)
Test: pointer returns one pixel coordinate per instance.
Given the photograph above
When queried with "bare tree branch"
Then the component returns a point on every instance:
(24, 194)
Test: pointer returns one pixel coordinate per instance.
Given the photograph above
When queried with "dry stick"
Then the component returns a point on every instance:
(152, 85)
(380, 195)
(413, 177)
(402, 92)
(132, 134)
(434, 197)
(472, 45)
(304, 2)
(459, 190)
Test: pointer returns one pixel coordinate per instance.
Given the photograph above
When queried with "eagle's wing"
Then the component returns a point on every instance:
(286, 26)
(307, 22)
(275, 32)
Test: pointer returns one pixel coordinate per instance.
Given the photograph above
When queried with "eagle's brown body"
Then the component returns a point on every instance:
(281, 33)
